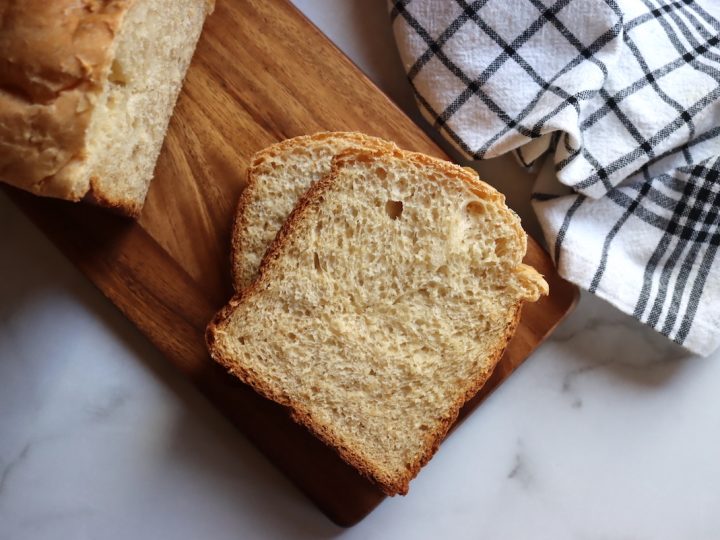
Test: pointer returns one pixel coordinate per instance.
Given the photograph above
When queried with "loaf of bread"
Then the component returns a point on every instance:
(382, 305)
(87, 88)
(277, 177)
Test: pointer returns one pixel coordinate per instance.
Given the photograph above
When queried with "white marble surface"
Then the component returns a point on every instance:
(607, 432)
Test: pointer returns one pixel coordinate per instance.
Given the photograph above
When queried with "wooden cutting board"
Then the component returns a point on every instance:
(261, 73)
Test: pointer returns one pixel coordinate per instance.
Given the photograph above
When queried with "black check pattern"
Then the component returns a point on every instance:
(627, 104)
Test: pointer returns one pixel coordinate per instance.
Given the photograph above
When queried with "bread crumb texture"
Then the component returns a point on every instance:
(382, 305)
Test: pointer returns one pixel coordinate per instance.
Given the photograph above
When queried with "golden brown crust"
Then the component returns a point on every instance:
(125, 207)
(313, 197)
(238, 243)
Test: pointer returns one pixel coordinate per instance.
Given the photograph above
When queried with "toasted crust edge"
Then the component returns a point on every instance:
(389, 485)
(124, 206)
(238, 241)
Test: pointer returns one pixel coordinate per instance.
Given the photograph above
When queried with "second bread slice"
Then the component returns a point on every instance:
(381, 307)
(277, 177)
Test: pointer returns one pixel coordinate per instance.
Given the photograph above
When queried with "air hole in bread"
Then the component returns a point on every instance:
(117, 74)
(316, 262)
(381, 173)
(394, 209)
(501, 247)
(475, 207)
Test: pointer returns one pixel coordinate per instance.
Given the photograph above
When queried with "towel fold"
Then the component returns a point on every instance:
(617, 103)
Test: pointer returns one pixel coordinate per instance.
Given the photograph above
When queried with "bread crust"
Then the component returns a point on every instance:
(55, 57)
(238, 242)
(389, 484)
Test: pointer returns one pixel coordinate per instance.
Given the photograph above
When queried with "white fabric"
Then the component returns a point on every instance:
(623, 97)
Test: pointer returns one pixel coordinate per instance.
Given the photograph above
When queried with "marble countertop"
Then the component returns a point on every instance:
(607, 432)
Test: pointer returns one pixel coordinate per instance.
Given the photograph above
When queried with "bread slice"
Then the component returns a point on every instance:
(277, 177)
(382, 305)
(87, 90)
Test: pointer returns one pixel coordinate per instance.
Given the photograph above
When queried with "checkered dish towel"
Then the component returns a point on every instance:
(623, 96)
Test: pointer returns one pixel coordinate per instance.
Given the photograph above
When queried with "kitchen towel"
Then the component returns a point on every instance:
(621, 100)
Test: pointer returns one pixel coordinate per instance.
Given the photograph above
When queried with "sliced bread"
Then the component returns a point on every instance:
(277, 177)
(382, 305)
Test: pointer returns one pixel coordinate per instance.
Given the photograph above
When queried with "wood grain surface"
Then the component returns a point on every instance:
(261, 73)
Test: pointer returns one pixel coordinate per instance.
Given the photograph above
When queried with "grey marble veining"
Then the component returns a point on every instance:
(521, 470)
